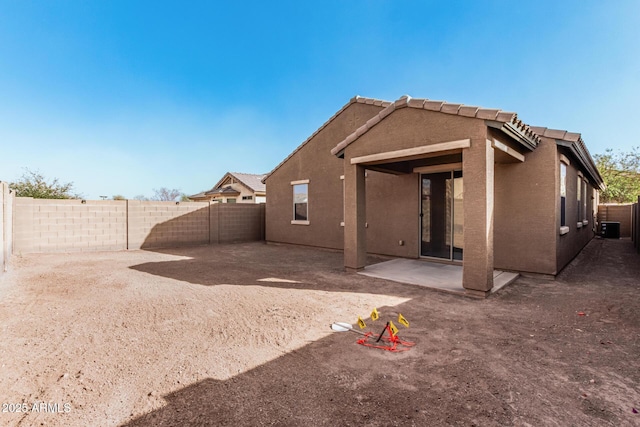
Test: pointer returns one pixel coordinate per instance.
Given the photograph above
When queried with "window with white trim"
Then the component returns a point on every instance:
(564, 228)
(585, 220)
(563, 194)
(342, 179)
(300, 202)
(579, 201)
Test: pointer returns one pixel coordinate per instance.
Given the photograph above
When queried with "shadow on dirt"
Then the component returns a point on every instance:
(248, 264)
(334, 381)
(539, 352)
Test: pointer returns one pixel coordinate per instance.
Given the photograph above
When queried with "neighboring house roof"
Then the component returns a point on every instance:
(249, 180)
(252, 181)
(574, 142)
(354, 100)
(200, 195)
(226, 191)
(505, 121)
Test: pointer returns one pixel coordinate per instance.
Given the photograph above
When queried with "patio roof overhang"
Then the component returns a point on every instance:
(505, 122)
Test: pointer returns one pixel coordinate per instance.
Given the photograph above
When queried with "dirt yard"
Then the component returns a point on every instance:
(239, 335)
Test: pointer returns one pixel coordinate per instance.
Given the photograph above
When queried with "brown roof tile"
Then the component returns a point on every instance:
(468, 111)
(433, 105)
(487, 113)
(450, 108)
(443, 107)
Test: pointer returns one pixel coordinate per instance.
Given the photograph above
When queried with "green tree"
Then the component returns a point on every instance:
(34, 184)
(621, 174)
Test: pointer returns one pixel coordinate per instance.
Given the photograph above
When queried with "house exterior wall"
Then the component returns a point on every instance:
(516, 226)
(393, 201)
(525, 211)
(570, 244)
(393, 208)
(314, 161)
(413, 127)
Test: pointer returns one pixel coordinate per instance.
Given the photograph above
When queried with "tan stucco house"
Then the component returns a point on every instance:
(452, 183)
(235, 187)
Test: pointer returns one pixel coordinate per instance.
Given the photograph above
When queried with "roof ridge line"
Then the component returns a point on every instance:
(463, 110)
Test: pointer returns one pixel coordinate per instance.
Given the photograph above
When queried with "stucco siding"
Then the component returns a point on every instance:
(571, 243)
(314, 162)
(525, 212)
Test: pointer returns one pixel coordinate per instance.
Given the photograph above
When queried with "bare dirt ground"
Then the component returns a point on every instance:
(195, 336)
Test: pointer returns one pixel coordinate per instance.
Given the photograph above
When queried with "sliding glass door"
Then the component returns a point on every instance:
(442, 220)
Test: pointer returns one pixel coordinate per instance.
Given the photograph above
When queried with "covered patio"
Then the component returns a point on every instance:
(432, 275)
(413, 137)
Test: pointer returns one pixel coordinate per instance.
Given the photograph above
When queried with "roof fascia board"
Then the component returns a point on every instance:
(513, 132)
(411, 153)
(580, 155)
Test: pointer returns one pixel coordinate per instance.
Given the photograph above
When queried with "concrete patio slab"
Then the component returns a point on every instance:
(442, 277)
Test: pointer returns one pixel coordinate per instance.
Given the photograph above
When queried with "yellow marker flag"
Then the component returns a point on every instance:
(361, 323)
(402, 320)
(394, 330)
(374, 314)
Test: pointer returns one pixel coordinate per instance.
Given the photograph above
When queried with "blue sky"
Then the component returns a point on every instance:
(121, 97)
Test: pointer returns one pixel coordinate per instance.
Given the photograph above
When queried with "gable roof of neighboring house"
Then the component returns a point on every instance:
(507, 122)
(225, 191)
(356, 99)
(252, 181)
(574, 142)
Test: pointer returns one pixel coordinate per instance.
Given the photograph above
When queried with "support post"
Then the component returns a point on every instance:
(355, 239)
(478, 169)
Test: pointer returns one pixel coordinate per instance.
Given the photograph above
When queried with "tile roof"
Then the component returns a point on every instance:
(251, 180)
(579, 149)
(200, 195)
(442, 107)
(225, 190)
(354, 100)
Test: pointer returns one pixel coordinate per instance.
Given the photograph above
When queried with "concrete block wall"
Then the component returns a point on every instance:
(237, 222)
(165, 224)
(43, 225)
(6, 225)
(619, 213)
(635, 225)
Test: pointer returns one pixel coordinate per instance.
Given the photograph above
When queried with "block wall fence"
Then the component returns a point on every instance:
(43, 225)
(619, 213)
(6, 225)
(635, 225)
